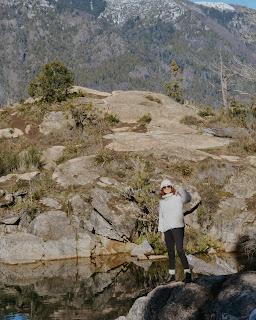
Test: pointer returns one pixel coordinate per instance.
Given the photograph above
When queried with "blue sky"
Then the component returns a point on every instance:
(248, 3)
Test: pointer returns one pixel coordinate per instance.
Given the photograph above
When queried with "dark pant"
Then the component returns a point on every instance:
(175, 237)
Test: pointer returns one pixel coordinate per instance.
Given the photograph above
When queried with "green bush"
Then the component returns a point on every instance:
(198, 242)
(206, 112)
(111, 118)
(173, 90)
(153, 99)
(52, 83)
(191, 121)
(174, 87)
(104, 156)
(145, 119)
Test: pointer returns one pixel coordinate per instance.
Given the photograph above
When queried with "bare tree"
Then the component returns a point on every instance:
(229, 73)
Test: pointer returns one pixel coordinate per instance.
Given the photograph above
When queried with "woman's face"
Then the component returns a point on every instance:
(167, 189)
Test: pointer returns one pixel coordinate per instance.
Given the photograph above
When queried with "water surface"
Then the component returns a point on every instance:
(99, 289)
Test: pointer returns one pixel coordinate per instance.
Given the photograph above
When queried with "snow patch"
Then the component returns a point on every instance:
(120, 11)
(217, 5)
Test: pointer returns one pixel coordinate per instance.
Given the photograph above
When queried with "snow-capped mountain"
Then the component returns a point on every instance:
(123, 10)
(122, 44)
(216, 5)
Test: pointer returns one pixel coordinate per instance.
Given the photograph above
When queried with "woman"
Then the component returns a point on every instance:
(171, 223)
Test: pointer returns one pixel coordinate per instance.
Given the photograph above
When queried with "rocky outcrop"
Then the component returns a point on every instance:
(233, 217)
(141, 250)
(8, 199)
(10, 133)
(51, 203)
(76, 172)
(90, 93)
(219, 267)
(28, 176)
(165, 132)
(22, 247)
(113, 217)
(219, 297)
(227, 132)
(56, 120)
(52, 225)
(102, 227)
(51, 155)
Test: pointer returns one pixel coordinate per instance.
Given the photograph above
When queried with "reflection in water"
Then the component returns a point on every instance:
(70, 290)
(102, 289)
(16, 316)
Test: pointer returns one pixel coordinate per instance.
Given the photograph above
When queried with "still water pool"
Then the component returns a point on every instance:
(16, 316)
(102, 289)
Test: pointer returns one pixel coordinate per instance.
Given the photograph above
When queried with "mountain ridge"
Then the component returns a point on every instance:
(132, 54)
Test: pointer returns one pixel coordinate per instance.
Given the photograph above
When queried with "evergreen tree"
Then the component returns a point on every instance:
(52, 82)
(174, 87)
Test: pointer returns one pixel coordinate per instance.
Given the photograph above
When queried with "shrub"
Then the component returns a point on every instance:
(248, 245)
(105, 156)
(211, 194)
(153, 99)
(182, 167)
(111, 118)
(139, 188)
(197, 242)
(191, 121)
(174, 91)
(174, 87)
(9, 161)
(145, 119)
(206, 112)
(251, 203)
(52, 83)
(30, 158)
(244, 145)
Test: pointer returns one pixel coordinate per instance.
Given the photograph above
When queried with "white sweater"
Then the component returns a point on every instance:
(171, 210)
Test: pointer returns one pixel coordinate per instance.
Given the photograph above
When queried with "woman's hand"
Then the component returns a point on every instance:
(162, 236)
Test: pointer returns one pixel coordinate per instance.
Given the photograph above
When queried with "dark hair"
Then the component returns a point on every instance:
(162, 193)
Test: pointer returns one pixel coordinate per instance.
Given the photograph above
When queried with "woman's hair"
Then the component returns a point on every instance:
(162, 193)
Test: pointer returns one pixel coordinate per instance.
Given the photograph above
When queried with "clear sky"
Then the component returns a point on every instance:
(248, 3)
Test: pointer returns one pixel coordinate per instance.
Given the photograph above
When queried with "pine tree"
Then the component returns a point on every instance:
(52, 82)
(174, 87)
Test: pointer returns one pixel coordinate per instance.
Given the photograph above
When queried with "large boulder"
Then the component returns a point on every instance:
(102, 227)
(10, 218)
(28, 176)
(237, 297)
(105, 246)
(228, 132)
(143, 249)
(236, 210)
(51, 155)
(56, 120)
(52, 225)
(216, 297)
(113, 216)
(219, 267)
(76, 172)
(19, 247)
